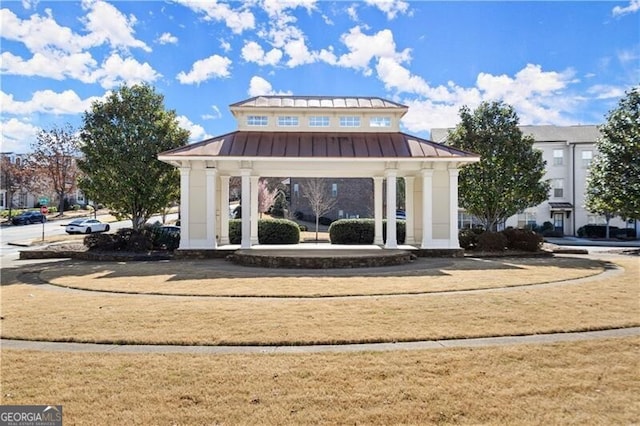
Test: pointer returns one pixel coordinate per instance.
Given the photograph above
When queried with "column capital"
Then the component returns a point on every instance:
(245, 172)
(454, 172)
(427, 172)
(211, 171)
(391, 172)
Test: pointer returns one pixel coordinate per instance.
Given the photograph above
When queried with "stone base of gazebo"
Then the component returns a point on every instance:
(321, 258)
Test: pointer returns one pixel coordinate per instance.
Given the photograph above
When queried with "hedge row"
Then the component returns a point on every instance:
(513, 239)
(361, 231)
(150, 237)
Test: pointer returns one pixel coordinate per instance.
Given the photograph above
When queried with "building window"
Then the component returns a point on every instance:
(587, 156)
(526, 220)
(257, 120)
(318, 121)
(3, 197)
(288, 121)
(334, 190)
(558, 155)
(380, 122)
(557, 185)
(350, 121)
(296, 189)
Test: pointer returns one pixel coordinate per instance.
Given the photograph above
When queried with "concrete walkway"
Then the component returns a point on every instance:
(365, 347)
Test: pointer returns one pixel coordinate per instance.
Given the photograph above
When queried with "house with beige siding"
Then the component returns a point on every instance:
(319, 137)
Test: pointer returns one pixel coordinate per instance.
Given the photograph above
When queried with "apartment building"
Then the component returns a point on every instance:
(568, 152)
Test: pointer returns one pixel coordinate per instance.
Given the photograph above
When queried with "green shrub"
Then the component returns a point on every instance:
(468, 237)
(492, 241)
(352, 231)
(270, 231)
(235, 231)
(521, 239)
(104, 242)
(303, 228)
(361, 231)
(278, 231)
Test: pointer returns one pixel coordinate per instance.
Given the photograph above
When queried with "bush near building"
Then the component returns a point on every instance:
(362, 231)
(509, 239)
(270, 231)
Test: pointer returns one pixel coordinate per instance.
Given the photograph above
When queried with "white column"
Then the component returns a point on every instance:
(210, 175)
(185, 173)
(392, 240)
(427, 208)
(254, 209)
(453, 208)
(408, 201)
(246, 208)
(377, 210)
(224, 210)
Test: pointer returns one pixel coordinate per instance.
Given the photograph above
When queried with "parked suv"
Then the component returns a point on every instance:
(28, 217)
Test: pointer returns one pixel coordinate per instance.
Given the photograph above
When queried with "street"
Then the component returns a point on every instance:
(23, 234)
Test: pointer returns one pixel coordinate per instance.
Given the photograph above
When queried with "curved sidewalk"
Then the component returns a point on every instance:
(365, 347)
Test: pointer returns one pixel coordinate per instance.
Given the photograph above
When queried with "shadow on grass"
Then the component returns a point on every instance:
(178, 270)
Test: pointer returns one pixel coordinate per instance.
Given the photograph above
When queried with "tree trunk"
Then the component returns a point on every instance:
(317, 224)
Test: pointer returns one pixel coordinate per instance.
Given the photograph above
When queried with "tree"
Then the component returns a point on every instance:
(508, 178)
(316, 192)
(54, 155)
(266, 196)
(15, 178)
(122, 137)
(613, 184)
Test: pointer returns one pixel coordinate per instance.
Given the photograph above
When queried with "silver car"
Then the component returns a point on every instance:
(86, 226)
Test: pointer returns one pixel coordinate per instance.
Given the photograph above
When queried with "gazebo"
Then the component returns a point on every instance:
(319, 137)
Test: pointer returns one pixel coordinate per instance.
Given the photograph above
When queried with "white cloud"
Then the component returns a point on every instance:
(238, 20)
(197, 131)
(107, 24)
(216, 114)
(46, 101)
(212, 67)
(17, 135)
(391, 8)
(352, 12)
(116, 70)
(633, 7)
(40, 33)
(275, 8)
(168, 38)
(225, 45)
(364, 48)
(253, 52)
(606, 91)
(539, 97)
(51, 64)
(258, 86)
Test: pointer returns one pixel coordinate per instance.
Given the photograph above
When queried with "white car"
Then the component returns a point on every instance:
(86, 226)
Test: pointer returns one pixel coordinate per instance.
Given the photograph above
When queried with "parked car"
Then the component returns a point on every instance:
(86, 226)
(31, 216)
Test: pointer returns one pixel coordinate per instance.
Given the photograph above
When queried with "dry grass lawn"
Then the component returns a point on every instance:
(42, 313)
(591, 382)
(220, 278)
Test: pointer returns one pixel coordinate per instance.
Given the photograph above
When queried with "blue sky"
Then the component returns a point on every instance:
(558, 63)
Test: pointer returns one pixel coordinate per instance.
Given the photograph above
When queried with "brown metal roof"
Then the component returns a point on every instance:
(317, 145)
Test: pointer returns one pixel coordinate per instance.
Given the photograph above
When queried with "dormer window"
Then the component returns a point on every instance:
(380, 122)
(350, 121)
(288, 121)
(257, 120)
(319, 121)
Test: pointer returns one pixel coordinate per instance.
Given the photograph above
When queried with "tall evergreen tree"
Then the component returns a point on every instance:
(613, 184)
(508, 178)
(122, 137)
